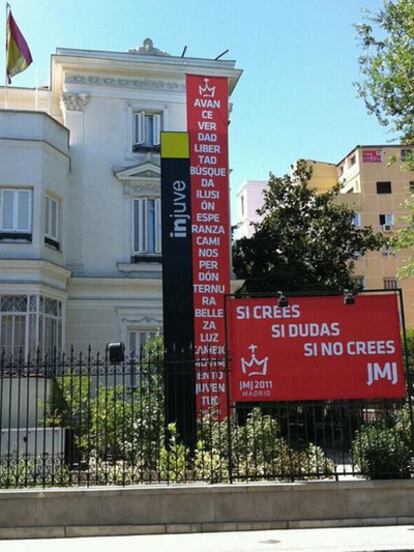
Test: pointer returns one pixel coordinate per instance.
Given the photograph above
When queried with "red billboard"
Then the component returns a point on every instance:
(207, 123)
(316, 348)
(371, 156)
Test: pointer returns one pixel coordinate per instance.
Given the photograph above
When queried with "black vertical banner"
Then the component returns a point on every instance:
(177, 283)
(177, 265)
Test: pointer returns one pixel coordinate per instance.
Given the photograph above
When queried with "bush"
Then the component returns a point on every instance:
(120, 436)
(258, 451)
(29, 471)
(382, 450)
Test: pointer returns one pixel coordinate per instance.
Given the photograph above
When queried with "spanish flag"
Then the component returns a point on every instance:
(18, 55)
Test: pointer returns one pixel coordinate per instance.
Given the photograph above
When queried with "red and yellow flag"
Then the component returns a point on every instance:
(18, 54)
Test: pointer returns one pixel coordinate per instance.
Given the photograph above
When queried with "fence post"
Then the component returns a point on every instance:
(229, 414)
(228, 397)
(407, 370)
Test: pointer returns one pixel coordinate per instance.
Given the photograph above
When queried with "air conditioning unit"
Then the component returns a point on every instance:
(387, 227)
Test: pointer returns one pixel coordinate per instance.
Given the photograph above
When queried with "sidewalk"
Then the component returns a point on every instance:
(359, 539)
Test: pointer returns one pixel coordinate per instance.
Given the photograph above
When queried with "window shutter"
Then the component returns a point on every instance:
(8, 215)
(146, 226)
(139, 137)
(141, 229)
(23, 211)
(54, 217)
(47, 216)
(138, 225)
(158, 226)
(132, 342)
(143, 239)
(156, 129)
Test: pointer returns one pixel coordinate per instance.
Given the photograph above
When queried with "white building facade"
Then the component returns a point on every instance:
(80, 236)
(249, 200)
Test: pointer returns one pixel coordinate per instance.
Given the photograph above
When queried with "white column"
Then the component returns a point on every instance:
(73, 108)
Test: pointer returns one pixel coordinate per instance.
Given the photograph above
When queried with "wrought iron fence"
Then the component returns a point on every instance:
(81, 420)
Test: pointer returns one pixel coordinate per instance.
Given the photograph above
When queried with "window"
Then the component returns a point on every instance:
(383, 187)
(146, 131)
(137, 340)
(242, 205)
(28, 323)
(411, 187)
(390, 283)
(352, 161)
(406, 155)
(52, 221)
(386, 219)
(15, 214)
(388, 252)
(358, 282)
(356, 221)
(146, 227)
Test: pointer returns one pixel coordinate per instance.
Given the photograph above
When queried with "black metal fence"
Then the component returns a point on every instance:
(80, 420)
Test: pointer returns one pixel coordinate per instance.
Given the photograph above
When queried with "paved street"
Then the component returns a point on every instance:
(380, 539)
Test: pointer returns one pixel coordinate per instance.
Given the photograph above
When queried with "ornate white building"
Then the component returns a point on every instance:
(80, 247)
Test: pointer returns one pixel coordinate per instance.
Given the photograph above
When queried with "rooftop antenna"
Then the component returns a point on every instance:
(184, 51)
(220, 55)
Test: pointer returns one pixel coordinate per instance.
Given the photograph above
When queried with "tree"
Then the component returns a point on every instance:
(404, 239)
(305, 240)
(387, 63)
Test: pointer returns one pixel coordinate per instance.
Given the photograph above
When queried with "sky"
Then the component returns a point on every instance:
(299, 58)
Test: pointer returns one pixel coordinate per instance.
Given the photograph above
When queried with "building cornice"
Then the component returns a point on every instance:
(35, 272)
(74, 102)
(133, 55)
(22, 265)
(142, 171)
(120, 67)
(32, 287)
(137, 84)
(140, 180)
(37, 114)
(115, 289)
(43, 143)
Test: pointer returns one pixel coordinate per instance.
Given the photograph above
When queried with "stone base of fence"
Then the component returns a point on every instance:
(159, 509)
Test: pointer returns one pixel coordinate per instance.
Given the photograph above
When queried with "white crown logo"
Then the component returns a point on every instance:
(254, 367)
(207, 91)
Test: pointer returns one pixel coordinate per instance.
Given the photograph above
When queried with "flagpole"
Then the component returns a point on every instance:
(5, 67)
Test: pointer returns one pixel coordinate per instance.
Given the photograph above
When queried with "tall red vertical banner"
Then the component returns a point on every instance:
(207, 125)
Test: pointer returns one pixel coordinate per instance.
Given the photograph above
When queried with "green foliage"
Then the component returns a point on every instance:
(121, 439)
(114, 421)
(382, 450)
(257, 452)
(410, 352)
(31, 471)
(174, 458)
(404, 240)
(109, 472)
(305, 241)
(387, 64)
